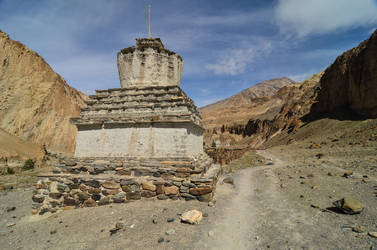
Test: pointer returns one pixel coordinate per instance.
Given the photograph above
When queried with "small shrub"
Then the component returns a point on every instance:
(10, 170)
(29, 164)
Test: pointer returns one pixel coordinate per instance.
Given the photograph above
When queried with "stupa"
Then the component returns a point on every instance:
(149, 116)
(141, 141)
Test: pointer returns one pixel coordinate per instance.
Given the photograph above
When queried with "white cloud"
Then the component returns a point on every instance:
(307, 17)
(236, 61)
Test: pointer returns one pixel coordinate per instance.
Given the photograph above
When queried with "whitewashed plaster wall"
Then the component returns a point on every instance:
(140, 140)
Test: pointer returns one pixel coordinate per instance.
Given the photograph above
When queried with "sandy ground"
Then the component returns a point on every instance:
(285, 204)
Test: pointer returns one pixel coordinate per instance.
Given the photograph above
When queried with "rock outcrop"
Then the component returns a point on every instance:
(351, 81)
(36, 104)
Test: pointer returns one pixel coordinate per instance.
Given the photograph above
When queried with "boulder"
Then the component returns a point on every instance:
(349, 205)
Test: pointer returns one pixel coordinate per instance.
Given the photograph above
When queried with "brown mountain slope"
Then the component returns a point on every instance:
(13, 147)
(35, 102)
(351, 81)
(241, 107)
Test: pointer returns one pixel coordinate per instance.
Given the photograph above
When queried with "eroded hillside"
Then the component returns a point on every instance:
(35, 102)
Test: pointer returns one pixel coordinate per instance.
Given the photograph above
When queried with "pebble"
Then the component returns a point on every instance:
(205, 215)
(211, 234)
(10, 209)
(170, 219)
(160, 240)
(11, 224)
(155, 221)
(170, 232)
(53, 232)
(373, 234)
(358, 229)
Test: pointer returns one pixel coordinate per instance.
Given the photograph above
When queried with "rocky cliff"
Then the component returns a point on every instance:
(351, 81)
(36, 103)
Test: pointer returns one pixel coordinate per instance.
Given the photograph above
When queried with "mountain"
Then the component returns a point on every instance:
(36, 103)
(240, 107)
(351, 81)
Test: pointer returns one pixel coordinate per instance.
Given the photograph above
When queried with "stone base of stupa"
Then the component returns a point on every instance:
(97, 181)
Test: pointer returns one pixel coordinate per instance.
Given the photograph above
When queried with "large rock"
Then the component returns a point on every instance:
(148, 186)
(351, 81)
(349, 205)
(172, 190)
(192, 217)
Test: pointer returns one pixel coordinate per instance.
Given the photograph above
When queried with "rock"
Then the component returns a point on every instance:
(200, 190)
(83, 196)
(148, 186)
(205, 197)
(314, 205)
(330, 174)
(184, 189)
(135, 187)
(162, 197)
(68, 201)
(90, 203)
(172, 190)
(349, 205)
(104, 201)
(348, 174)
(96, 197)
(205, 215)
(10, 209)
(70, 163)
(170, 219)
(119, 225)
(228, 180)
(83, 187)
(55, 195)
(211, 204)
(133, 196)
(170, 232)
(38, 198)
(211, 234)
(358, 229)
(160, 240)
(192, 217)
(93, 183)
(188, 184)
(373, 234)
(160, 189)
(110, 185)
(107, 192)
(53, 231)
(315, 187)
(155, 221)
(188, 196)
(148, 194)
(10, 224)
(94, 190)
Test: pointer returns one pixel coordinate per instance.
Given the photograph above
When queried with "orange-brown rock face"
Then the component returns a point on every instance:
(351, 81)
(35, 102)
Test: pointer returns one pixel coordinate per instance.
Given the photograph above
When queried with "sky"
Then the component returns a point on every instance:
(227, 46)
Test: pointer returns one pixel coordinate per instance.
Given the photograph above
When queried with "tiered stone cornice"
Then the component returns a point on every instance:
(139, 105)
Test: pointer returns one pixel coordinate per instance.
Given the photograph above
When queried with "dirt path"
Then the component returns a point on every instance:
(265, 211)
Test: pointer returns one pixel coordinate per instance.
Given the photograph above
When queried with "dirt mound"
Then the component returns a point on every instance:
(35, 102)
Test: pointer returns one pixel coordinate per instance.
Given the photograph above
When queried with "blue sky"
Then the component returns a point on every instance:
(227, 46)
